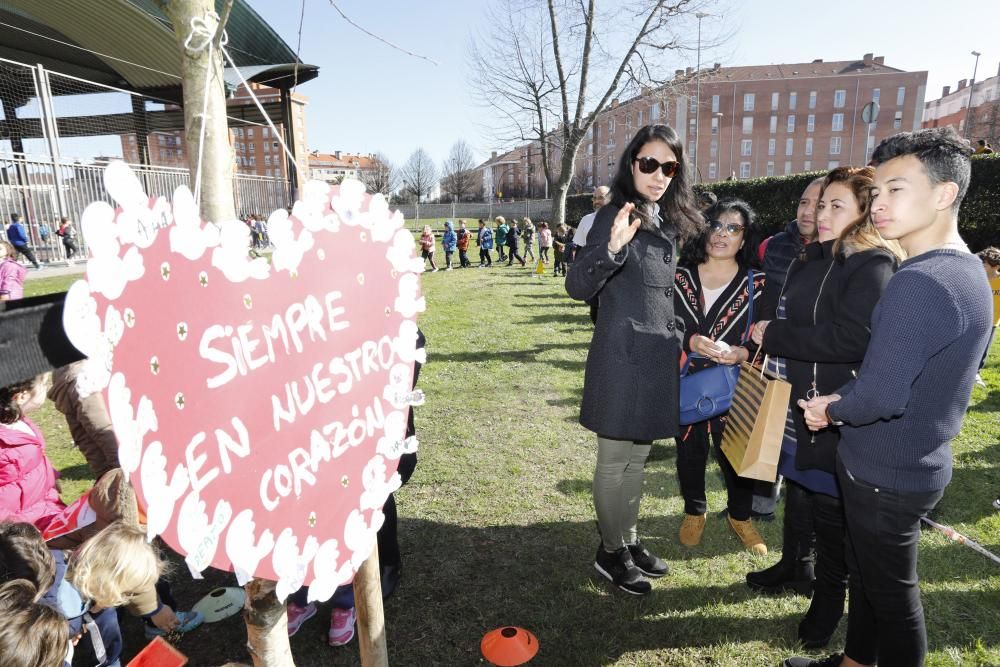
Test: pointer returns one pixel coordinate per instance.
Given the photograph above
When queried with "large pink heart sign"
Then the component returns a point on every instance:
(260, 405)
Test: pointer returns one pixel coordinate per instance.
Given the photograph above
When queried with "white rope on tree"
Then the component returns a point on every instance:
(200, 38)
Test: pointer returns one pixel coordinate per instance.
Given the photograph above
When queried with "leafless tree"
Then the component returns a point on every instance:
(419, 174)
(460, 178)
(547, 68)
(984, 123)
(382, 176)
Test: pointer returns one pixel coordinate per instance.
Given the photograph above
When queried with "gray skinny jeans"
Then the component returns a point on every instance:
(618, 489)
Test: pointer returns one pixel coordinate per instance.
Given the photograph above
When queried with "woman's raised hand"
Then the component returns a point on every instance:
(622, 230)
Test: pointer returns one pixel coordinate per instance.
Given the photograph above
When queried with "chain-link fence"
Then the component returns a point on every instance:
(58, 132)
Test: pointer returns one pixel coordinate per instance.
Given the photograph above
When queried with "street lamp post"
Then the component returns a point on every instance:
(720, 116)
(697, 113)
(968, 108)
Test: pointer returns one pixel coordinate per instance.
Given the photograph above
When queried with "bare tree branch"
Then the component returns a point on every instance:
(419, 174)
(381, 177)
(548, 85)
(460, 178)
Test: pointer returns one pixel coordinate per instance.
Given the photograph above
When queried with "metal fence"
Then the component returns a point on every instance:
(44, 189)
(47, 116)
(536, 209)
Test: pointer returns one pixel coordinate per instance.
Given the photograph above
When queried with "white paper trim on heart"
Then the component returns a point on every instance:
(120, 241)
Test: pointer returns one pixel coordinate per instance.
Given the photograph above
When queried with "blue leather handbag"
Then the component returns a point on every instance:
(709, 392)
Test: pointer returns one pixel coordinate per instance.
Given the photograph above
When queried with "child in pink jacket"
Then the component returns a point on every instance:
(28, 490)
(11, 273)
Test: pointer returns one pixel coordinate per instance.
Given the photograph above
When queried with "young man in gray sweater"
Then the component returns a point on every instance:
(930, 331)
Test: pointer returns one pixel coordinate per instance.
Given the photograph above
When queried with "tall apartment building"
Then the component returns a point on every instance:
(761, 120)
(953, 107)
(255, 148)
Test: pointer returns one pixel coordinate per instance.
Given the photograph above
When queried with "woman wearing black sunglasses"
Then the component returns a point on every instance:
(713, 299)
(630, 394)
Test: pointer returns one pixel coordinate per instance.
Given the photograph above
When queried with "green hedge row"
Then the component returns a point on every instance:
(774, 200)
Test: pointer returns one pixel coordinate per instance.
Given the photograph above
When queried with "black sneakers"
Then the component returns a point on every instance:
(648, 564)
(619, 568)
(829, 661)
(783, 577)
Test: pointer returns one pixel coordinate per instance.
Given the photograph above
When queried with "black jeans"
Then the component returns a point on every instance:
(463, 258)
(512, 255)
(26, 251)
(692, 456)
(799, 526)
(485, 258)
(825, 515)
(885, 617)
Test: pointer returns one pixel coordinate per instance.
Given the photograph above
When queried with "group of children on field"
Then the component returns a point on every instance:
(506, 239)
(61, 581)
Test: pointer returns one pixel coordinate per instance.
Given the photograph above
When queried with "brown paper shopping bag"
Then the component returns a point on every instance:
(756, 423)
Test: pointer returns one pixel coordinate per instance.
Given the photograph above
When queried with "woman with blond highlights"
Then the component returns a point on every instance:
(819, 340)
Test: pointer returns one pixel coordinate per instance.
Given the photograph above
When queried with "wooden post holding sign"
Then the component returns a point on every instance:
(260, 407)
(368, 602)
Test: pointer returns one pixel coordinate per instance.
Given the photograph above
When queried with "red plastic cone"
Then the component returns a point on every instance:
(509, 646)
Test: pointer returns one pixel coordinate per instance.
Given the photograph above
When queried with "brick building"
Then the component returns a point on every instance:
(761, 120)
(984, 116)
(255, 149)
(335, 167)
(516, 174)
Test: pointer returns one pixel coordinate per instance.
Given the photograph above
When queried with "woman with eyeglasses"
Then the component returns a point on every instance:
(630, 392)
(819, 337)
(713, 299)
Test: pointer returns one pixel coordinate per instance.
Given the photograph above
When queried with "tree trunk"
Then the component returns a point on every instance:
(266, 620)
(559, 204)
(561, 187)
(267, 626)
(216, 163)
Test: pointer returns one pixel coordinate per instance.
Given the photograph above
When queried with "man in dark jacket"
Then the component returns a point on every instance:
(778, 251)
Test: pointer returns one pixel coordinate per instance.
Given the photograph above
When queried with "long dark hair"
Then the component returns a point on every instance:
(748, 257)
(677, 205)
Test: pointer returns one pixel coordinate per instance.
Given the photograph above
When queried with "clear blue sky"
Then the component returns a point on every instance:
(370, 97)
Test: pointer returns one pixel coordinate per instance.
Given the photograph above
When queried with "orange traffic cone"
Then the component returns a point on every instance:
(509, 646)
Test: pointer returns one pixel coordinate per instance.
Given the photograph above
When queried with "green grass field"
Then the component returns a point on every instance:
(497, 525)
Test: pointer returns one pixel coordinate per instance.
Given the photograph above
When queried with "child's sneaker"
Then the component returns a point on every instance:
(341, 626)
(297, 615)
